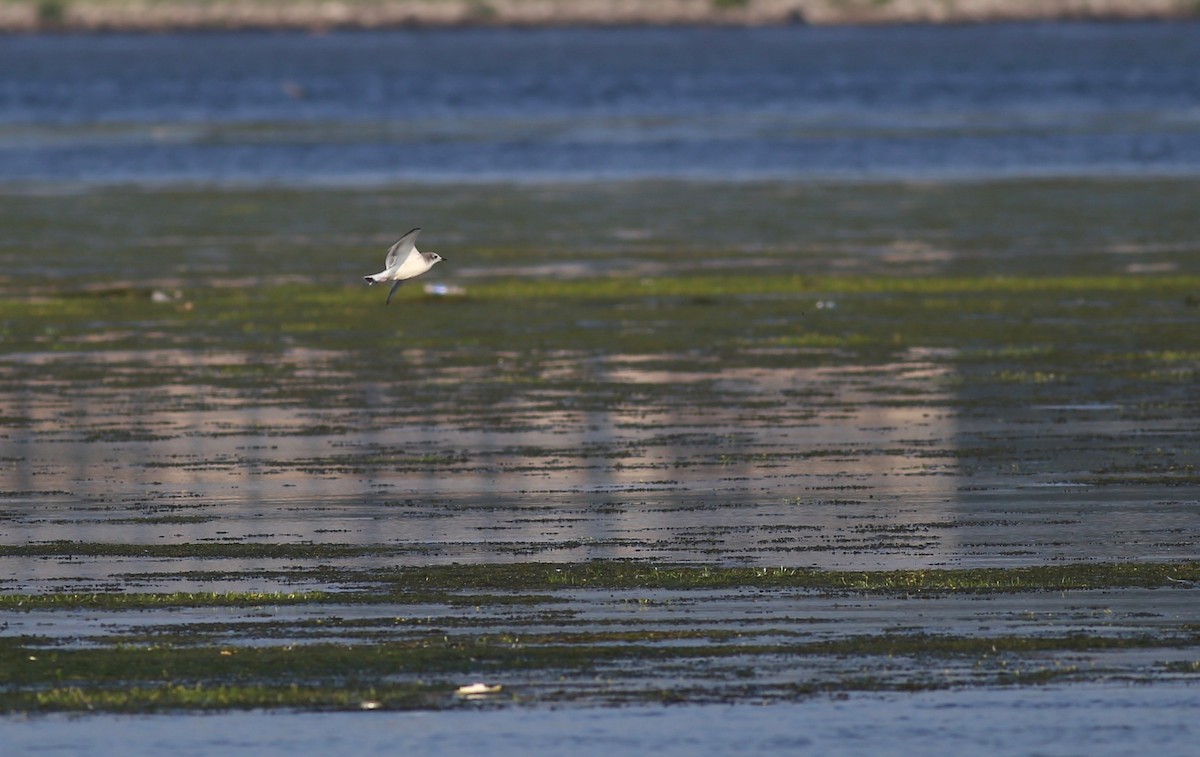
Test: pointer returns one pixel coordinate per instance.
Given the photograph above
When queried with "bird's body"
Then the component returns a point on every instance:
(404, 261)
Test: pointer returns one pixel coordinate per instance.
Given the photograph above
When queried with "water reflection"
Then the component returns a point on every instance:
(466, 456)
(762, 465)
(574, 456)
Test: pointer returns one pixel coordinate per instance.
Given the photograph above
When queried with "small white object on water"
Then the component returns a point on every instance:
(478, 690)
(444, 290)
(404, 261)
(370, 704)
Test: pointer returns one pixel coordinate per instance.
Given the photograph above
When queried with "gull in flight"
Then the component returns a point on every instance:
(404, 261)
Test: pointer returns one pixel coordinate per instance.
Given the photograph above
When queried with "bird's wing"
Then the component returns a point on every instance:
(401, 249)
(395, 286)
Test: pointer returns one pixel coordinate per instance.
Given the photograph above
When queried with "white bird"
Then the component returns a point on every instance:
(404, 261)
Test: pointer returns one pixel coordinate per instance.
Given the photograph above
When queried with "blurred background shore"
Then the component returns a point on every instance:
(156, 15)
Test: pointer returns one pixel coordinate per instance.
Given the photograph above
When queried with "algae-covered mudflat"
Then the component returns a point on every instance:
(635, 442)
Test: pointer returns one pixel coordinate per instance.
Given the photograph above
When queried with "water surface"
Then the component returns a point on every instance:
(579, 104)
(1098, 720)
(943, 317)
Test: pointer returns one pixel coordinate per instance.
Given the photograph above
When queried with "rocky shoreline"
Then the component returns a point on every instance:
(164, 15)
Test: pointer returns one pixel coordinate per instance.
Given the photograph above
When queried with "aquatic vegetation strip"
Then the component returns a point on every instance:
(431, 628)
(451, 580)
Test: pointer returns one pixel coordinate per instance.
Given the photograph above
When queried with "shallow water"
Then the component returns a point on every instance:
(1107, 719)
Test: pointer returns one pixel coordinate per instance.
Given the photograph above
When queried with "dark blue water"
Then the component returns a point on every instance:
(578, 104)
